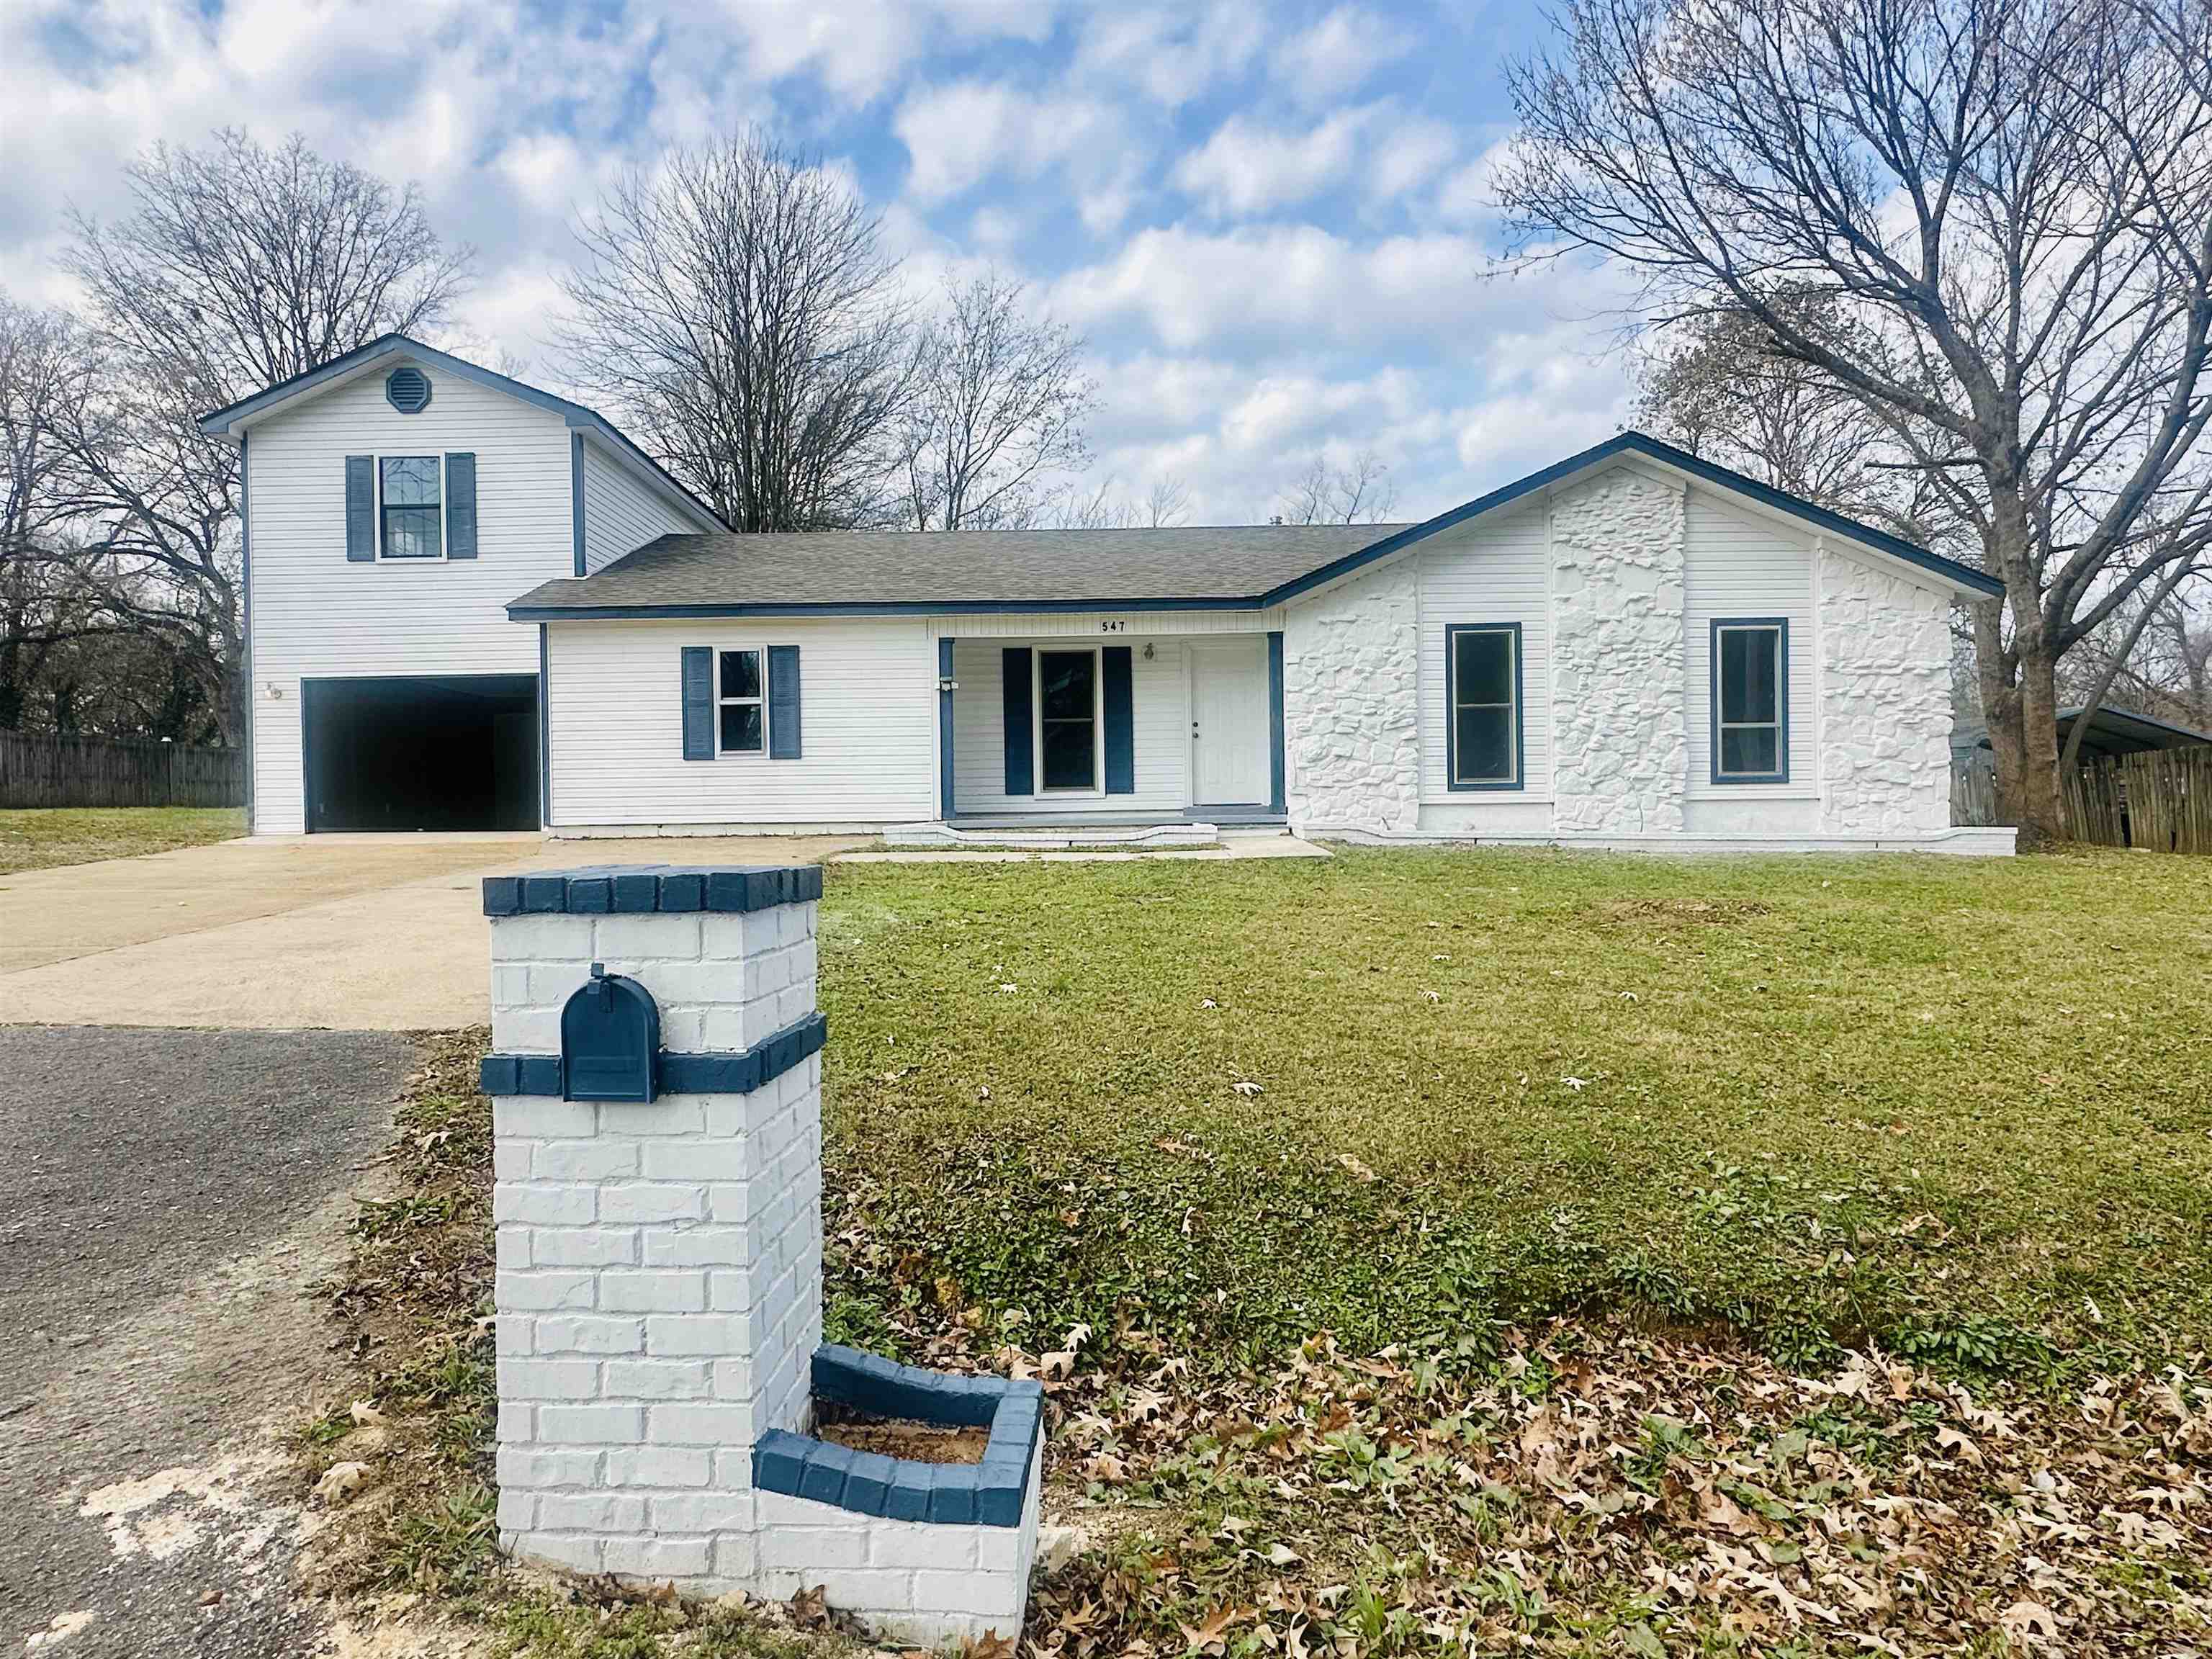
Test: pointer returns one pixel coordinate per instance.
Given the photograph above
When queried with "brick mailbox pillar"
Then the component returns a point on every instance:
(659, 1273)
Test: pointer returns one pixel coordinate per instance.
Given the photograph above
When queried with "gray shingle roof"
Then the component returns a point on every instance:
(866, 569)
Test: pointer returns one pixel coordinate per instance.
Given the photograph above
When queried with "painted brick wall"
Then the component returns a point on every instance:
(659, 1295)
(1351, 719)
(1885, 702)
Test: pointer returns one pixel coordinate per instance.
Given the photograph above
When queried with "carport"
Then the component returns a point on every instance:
(443, 752)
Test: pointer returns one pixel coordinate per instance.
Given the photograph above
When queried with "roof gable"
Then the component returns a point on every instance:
(1960, 578)
(232, 421)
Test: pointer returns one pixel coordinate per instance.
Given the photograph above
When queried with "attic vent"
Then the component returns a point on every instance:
(408, 390)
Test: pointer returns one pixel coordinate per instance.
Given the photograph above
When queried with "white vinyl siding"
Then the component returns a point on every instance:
(1741, 564)
(622, 513)
(317, 615)
(868, 693)
(1159, 701)
(1488, 574)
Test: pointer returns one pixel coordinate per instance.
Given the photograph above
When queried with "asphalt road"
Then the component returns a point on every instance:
(165, 1197)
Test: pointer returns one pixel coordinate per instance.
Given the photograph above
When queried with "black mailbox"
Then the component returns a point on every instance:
(610, 1040)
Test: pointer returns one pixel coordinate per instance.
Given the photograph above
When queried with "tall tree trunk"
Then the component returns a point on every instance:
(2039, 739)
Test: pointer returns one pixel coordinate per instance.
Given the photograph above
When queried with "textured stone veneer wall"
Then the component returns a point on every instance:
(1620, 745)
(1885, 702)
(1350, 729)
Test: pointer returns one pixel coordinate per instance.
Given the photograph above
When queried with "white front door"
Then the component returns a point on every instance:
(1229, 759)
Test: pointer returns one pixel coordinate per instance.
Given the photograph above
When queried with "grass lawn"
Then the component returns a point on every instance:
(1465, 1252)
(1963, 1108)
(38, 837)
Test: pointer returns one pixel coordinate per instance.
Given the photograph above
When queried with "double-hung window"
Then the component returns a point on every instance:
(1482, 672)
(743, 709)
(1751, 700)
(411, 501)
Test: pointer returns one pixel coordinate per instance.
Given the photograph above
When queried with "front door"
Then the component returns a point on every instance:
(1229, 722)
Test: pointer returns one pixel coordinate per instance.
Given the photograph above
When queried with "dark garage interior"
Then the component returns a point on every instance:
(456, 752)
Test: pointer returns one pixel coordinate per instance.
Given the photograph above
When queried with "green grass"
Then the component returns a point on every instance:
(1961, 1108)
(40, 837)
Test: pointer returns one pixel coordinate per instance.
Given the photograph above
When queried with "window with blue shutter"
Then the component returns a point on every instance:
(361, 509)
(783, 703)
(1021, 769)
(698, 690)
(460, 507)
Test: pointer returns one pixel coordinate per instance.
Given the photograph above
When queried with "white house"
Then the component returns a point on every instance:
(473, 604)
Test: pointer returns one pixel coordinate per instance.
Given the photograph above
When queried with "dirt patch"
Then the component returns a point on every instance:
(1680, 912)
(905, 1436)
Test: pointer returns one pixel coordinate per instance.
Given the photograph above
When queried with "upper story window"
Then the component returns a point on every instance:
(1482, 666)
(412, 507)
(1751, 700)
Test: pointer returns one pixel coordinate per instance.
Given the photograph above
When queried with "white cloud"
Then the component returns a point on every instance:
(1245, 168)
(1408, 152)
(1169, 56)
(1336, 56)
(960, 135)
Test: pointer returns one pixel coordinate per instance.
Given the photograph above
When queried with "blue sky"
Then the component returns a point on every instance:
(1271, 221)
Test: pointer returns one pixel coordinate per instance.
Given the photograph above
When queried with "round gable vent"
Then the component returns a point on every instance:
(408, 390)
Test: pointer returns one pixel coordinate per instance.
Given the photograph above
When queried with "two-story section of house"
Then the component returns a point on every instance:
(396, 498)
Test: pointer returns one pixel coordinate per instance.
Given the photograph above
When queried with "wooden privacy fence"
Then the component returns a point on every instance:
(1974, 789)
(2160, 799)
(45, 771)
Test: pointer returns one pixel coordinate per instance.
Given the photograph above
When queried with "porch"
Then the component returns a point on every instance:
(1134, 733)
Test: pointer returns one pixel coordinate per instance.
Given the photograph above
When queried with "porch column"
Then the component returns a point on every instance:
(945, 730)
(1278, 797)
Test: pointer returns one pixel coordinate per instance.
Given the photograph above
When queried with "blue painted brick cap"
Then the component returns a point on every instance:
(908, 1497)
(828, 1464)
(952, 1493)
(868, 1482)
(778, 1457)
(630, 889)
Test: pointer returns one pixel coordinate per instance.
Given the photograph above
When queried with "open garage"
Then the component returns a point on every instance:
(445, 752)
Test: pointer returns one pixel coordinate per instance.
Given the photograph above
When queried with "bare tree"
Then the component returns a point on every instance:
(1103, 508)
(1360, 492)
(2153, 655)
(44, 358)
(735, 305)
(2007, 205)
(998, 403)
(237, 266)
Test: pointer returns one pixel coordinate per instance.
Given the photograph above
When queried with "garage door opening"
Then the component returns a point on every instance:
(446, 753)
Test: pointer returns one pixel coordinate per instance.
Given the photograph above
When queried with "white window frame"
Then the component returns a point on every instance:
(722, 702)
(1096, 653)
(445, 530)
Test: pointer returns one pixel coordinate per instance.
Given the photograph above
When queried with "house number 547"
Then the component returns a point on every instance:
(1111, 627)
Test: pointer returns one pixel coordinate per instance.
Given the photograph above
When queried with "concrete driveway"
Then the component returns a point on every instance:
(347, 932)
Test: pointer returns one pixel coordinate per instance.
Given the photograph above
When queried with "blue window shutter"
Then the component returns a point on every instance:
(783, 703)
(361, 509)
(1120, 721)
(698, 703)
(460, 507)
(1021, 770)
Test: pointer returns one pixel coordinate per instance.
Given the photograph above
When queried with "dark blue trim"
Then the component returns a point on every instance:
(1638, 443)
(728, 1073)
(1520, 778)
(1278, 794)
(576, 501)
(544, 734)
(1781, 626)
(631, 889)
(245, 604)
(991, 1493)
(1018, 719)
(217, 424)
(520, 613)
(945, 729)
(1117, 687)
